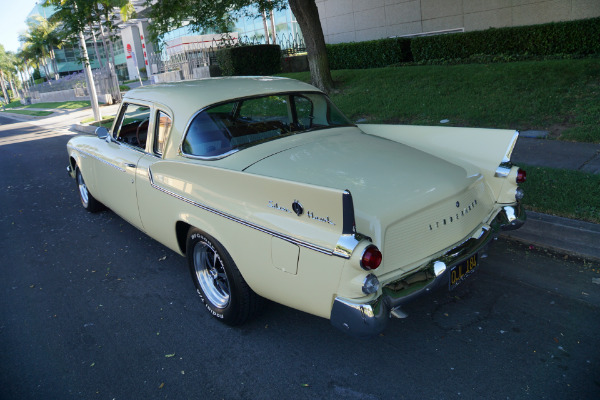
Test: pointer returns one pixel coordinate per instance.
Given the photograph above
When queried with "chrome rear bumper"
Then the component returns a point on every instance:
(366, 319)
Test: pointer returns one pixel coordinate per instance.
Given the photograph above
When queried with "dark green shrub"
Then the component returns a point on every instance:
(573, 37)
(263, 59)
(370, 54)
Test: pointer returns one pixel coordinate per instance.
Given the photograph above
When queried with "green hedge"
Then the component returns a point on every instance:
(574, 37)
(263, 59)
(370, 54)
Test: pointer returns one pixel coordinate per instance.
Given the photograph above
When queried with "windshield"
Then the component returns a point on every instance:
(227, 127)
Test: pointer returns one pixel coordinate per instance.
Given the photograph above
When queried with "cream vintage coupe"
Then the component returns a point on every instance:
(270, 192)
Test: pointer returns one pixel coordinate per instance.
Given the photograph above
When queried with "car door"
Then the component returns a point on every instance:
(116, 172)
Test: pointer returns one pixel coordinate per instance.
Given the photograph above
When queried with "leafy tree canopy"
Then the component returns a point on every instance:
(167, 15)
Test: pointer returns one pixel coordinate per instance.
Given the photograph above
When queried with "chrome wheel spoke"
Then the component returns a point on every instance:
(211, 275)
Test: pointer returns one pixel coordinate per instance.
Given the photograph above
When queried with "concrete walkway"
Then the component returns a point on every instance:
(563, 235)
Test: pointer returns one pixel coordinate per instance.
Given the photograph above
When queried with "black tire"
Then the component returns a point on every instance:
(219, 283)
(88, 201)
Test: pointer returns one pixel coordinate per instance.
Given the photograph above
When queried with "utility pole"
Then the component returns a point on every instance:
(89, 78)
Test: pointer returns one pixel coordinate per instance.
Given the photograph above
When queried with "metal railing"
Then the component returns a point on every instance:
(188, 63)
(104, 82)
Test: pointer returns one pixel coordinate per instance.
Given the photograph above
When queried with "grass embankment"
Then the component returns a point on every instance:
(571, 194)
(559, 96)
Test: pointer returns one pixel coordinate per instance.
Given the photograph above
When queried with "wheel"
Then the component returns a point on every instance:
(219, 283)
(87, 200)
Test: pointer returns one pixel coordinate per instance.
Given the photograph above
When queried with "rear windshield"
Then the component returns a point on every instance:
(227, 127)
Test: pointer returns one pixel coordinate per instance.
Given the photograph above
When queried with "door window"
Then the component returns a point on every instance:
(132, 127)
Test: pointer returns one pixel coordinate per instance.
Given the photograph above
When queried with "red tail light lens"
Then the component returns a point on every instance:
(371, 258)
(521, 176)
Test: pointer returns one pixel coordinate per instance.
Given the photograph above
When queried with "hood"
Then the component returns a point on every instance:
(387, 180)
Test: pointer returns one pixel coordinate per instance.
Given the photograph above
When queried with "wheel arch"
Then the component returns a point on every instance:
(181, 230)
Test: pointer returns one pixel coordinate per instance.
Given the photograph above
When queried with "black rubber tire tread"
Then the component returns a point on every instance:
(245, 304)
(93, 205)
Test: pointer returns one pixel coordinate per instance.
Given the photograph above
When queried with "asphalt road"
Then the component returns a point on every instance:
(91, 308)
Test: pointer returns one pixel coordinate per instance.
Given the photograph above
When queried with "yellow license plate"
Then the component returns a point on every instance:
(461, 271)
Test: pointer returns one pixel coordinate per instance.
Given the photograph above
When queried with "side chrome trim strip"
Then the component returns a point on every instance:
(100, 159)
(343, 254)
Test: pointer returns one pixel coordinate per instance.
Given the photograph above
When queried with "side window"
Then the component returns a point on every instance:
(163, 127)
(304, 112)
(132, 127)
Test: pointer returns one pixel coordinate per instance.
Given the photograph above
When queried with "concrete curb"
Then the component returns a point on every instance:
(563, 235)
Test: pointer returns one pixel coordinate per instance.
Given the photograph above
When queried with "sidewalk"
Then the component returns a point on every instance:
(547, 231)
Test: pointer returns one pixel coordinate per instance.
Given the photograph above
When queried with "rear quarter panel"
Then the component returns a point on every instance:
(252, 217)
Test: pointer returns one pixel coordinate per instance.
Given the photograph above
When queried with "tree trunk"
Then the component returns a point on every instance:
(54, 63)
(264, 18)
(272, 17)
(46, 71)
(4, 91)
(15, 92)
(96, 47)
(307, 15)
(89, 78)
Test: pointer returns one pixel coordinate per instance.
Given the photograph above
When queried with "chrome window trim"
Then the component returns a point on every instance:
(344, 248)
(160, 109)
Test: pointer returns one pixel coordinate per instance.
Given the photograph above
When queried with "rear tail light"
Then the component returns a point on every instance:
(521, 176)
(371, 258)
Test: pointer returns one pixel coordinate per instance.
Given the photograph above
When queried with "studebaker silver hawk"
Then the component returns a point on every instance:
(270, 192)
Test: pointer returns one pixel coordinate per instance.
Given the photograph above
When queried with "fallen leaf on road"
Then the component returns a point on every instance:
(169, 355)
(162, 385)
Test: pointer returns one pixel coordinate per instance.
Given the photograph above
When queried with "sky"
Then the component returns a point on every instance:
(12, 21)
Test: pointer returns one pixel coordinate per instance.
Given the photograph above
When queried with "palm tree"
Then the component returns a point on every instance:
(5, 66)
(43, 37)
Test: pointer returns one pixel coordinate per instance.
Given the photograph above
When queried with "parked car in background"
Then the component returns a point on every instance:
(270, 192)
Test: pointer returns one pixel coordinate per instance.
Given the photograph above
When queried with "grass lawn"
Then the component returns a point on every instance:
(560, 96)
(571, 194)
(106, 122)
(67, 105)
(29, 112)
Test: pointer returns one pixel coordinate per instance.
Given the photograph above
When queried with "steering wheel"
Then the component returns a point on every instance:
(137, 132)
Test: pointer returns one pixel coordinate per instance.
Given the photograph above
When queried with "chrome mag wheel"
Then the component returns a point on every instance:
(83, 191)
(210, 273)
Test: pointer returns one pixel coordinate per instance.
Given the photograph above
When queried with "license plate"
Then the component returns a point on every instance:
(461, 271)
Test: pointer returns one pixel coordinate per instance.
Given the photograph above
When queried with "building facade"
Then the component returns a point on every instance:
(360, 20)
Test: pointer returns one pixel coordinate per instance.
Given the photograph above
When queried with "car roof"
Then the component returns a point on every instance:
(186, 97)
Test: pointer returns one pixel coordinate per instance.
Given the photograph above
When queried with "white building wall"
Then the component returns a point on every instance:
(130, 35)
(360, 20)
